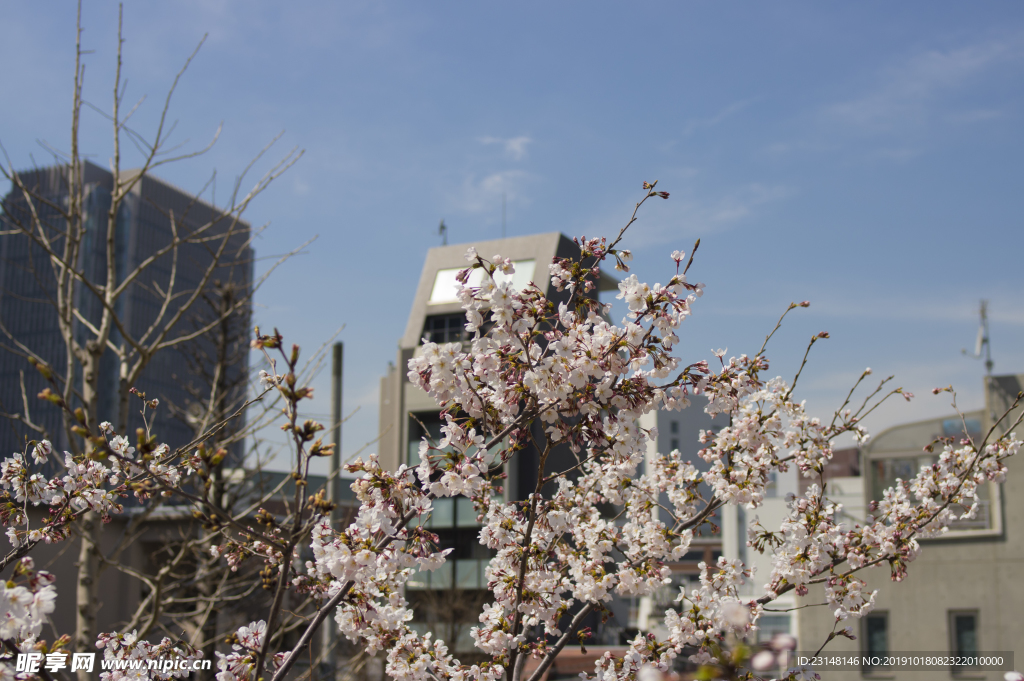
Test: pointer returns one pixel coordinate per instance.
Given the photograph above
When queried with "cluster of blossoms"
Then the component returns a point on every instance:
(165, 660)
(556, 373)
(713, 609)
(240, 664)
(811, 543)
(588, 381)
(86, 484)
(371, 568)
(24, 607)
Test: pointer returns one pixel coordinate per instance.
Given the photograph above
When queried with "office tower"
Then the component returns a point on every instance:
(147, 220)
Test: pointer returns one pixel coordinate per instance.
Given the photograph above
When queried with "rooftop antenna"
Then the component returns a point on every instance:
(983, 340)
(503, 215)
(442, 229)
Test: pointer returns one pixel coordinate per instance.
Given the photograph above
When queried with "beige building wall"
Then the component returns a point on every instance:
(770, 514)
(398, 397)
(973, 570)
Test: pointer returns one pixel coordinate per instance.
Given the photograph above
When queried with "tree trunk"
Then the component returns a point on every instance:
(211, 568)
(90, 528)
(87, 593)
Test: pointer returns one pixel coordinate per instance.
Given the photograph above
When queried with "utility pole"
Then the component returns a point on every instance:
(334, 483)
(328, 635)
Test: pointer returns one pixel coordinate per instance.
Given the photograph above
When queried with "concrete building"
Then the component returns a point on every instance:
(964, 594)
(679, 430)
(845, 486)
(437, 315)
(143, 227)
(27, 313)
(448, 600)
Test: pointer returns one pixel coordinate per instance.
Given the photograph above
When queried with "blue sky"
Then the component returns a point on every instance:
(864, 156)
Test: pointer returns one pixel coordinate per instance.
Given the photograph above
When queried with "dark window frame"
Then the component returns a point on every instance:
(445, 328)
(867, 650)
(954, 636)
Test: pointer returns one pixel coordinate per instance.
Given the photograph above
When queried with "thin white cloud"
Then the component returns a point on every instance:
(797, 146)
(691, 216)
(515, 147)
(696, 124)
(482, 194)
(906, 91)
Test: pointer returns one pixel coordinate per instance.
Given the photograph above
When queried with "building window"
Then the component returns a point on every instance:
(445, 288)
(674, 427)
(875, 637)
(428, 425)
(675, 444)
(955, 427)
(769, 626)
(963, 627)
(445, 328)
(443, 514)
(440, 578)
(471, 573)
(885, 471)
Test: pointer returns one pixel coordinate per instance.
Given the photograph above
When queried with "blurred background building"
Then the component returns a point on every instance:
(448, 600)
(963, 595)
(178, 375)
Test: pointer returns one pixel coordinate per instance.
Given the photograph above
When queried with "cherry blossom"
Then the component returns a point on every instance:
(561, 363)
(553, 373)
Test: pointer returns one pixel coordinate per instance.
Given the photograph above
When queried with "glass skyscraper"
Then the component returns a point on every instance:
(28, 314)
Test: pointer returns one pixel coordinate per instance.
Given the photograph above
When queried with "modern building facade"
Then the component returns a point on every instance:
(844, 486)
(964, 593)
(144, 225)
(680, 430)
(438, 316)
(448, 600)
